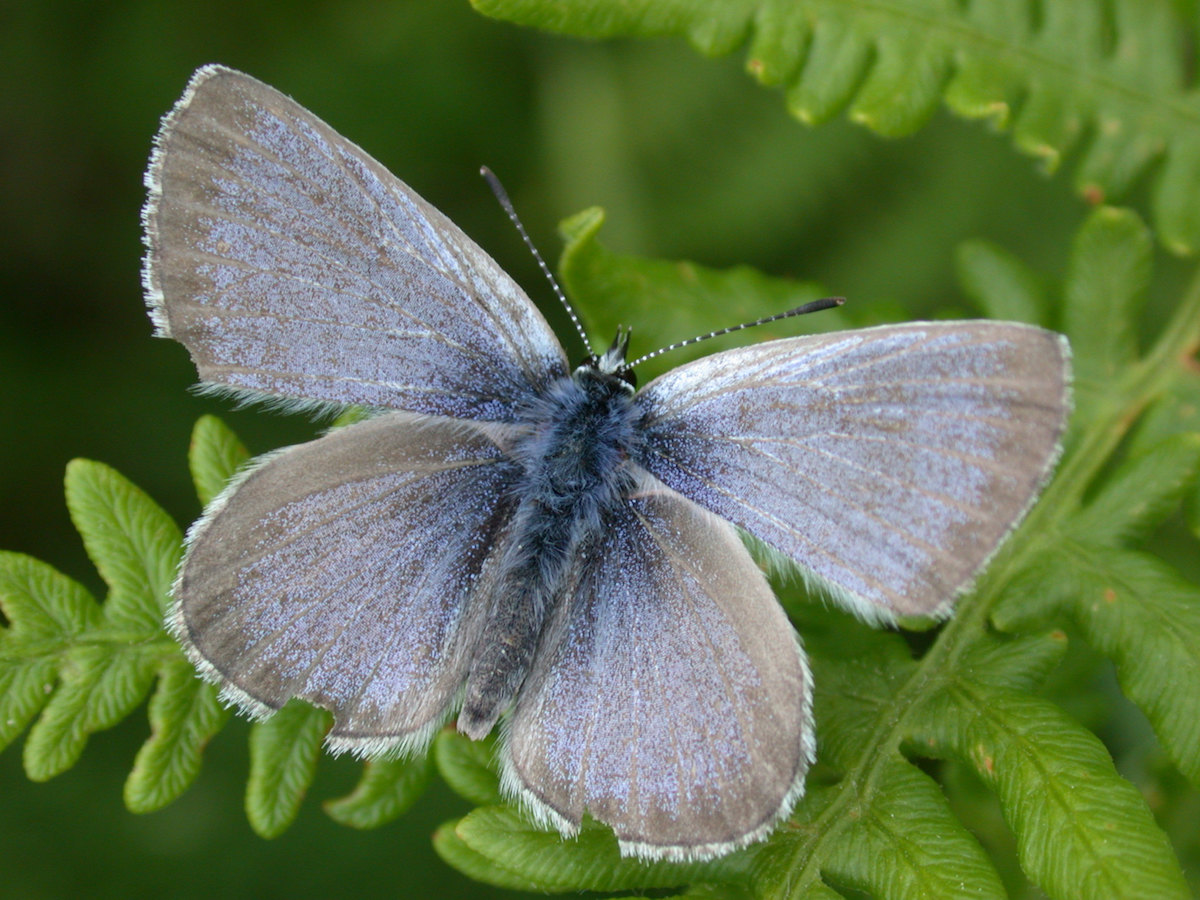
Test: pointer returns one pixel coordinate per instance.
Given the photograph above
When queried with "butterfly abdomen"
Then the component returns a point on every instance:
(574, 462)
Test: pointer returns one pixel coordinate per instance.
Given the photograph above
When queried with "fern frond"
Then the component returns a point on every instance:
(1001, 286)
(1060, 793)
(1104, 78)
(184, 715)
(47, 612)
(468, 767)
(534, 859)
(214, 455)
(86, 667)
(284, 751)
(89, 665)
(900, 839)
(387, 789)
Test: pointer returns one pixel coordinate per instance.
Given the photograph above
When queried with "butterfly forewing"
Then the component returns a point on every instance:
(670, 698)
(291, 264)
(889, 462)
(314, 578)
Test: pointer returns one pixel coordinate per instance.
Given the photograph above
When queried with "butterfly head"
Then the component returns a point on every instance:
(612, 363)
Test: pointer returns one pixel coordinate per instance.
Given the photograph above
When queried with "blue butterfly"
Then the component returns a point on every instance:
(511, 537)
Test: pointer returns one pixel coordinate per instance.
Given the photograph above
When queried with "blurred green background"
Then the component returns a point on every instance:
(689, 157)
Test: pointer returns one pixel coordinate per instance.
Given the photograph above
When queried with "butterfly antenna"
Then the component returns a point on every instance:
(502, 196)
(814, 306)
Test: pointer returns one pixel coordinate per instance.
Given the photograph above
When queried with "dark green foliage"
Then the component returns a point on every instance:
(1102, 78)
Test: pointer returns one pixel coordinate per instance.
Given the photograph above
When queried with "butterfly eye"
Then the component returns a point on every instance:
(594, 363)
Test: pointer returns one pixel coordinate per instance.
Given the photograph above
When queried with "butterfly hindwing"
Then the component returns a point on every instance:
(670, 698)
(313, 577)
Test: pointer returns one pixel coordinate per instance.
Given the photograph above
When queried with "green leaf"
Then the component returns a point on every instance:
(184, 715)
(1082, 830)
(723, 891)
(103, 658)
(1175, 211)
(1143, 615)
(214, 456)
(909, 844)
(1105, 289)
(387, 789)
(1002, 286)
(468, 766)
(904, 83)
(1112, 73)
(1141, 493)
(1015, 663)
(892, 836)
(853, 689)
(98, 689)
(24, 689)
(458, 854)
(817, 891)
(1135, 609)
(1175, 410)
(667, 301)
(41, 603)
(283, 760)
(132, 542)
(839, 46)
(46, 610)
(1130, 606)
(520, 854)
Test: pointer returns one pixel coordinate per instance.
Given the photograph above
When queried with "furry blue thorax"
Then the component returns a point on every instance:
(574, 461)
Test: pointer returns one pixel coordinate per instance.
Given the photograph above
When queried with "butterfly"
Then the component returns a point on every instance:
(512, 539)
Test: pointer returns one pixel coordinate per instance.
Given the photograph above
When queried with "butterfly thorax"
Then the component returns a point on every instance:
(582, 433)
(575, 461)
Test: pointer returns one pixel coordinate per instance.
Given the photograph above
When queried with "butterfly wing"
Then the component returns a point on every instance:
(889, 462)
(670, 698)
(340, 571)
(291, 264)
